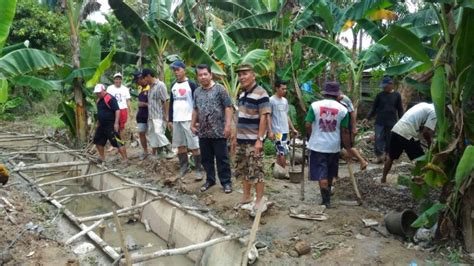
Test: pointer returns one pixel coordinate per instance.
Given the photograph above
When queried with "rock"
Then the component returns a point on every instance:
(302, 247)
(209, 200)
(293, 254)
(83, 248)
(278, 254)
(5, 257)
(280, 172)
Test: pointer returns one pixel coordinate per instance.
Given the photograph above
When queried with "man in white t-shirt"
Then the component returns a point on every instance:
(180, 115)
(421, 118)
(327, 122)
(279, 123)
(122, 95)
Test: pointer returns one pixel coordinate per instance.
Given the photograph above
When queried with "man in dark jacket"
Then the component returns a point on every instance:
(388, 109)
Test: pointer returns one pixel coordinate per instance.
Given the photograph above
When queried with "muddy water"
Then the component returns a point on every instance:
(137, 239)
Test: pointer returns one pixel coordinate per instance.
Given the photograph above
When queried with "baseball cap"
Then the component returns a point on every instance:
(147, 71)
(386, 81)
(118, 74)
(99, 88)
(332, 88)
(137, 75)
(244, 67)
(177, 64)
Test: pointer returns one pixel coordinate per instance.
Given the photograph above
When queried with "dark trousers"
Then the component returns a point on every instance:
(215, 149)
(382, 139)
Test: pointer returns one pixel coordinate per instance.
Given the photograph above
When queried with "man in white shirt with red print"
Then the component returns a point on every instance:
(122, 95)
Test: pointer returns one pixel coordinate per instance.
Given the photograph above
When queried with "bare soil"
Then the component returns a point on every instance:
(340, 240)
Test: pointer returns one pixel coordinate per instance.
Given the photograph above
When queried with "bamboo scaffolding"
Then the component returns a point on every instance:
(74, 178)
(136, 258)
(38, 152)
(122, 240)
(170, 241)
(110, 214)
(91, 193)
(50, 165)
(83, 232)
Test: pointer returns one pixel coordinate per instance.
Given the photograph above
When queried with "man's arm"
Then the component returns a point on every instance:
(427, 134)
(262, 127)
(345, 132)
(117, 118)
(290, 124)
(353, 116)
(194, 119)
(228, 121)
(269, 127)
(309, 119)
(399, 106)
(374, 108)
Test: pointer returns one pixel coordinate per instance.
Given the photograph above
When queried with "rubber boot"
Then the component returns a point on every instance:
(326, 197)
(197, 167)
(168, 153)
(183, 163)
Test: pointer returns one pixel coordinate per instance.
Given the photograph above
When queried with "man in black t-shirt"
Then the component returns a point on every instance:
(388, 109)
(108, 115)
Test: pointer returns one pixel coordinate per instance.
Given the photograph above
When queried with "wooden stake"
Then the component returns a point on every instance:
(58, 191)
(110, 214)
(84, 231)
(8, 203)
(170, 241)
(303, 179)
(354, 182)
(136, 258)
(122, 240)
(50, 173)
(75, 177)
(91, 193)
(253, 233)
(201, 254)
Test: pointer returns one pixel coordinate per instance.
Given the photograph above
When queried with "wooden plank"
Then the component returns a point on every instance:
(74, 178)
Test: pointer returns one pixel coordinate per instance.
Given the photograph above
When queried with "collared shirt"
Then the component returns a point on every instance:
(156, 97)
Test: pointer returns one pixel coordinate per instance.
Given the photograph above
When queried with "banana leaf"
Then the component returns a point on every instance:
(406, 68)
(225, 49)
(37, 83)
(327, 48)
(312, 71)
(426, 30)
(371, 28)
(103, 66)
(465, 166)
(83, 73)
(129, 19)
(244, 35)
(186, 44)
(252, 21)
(160, 9)
(14, 47)
(90, 52)
(26, 60)
(3, 91)
(438, 95)
(230, 6)
(404, 41)
(261, 61)
(6, 19)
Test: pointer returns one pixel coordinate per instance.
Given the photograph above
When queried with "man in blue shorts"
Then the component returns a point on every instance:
(279, 123)
(327, 122)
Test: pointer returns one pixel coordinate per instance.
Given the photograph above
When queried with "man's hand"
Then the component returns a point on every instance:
(271, 135)
(116, 127)
(258, 146)
(295, 132)
(354, 130)
(170, 126)
(227, 131)
(194, 129)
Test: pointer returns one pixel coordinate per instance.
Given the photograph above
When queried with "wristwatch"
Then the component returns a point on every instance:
(261, 138)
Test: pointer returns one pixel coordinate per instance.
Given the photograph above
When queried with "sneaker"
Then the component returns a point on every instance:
(228, 188)
(169, 155)
(197, 175)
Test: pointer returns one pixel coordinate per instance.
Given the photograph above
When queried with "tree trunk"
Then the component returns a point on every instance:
(79, 97)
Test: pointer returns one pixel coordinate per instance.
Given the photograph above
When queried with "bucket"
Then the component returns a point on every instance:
(398, 223)
(296, 176)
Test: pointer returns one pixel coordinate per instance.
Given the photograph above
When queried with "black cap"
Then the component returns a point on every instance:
(136, 76)
(147, 71)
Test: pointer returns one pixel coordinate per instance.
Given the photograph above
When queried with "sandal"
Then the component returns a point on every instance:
(227, 189)
(238, 205)
(206, 186)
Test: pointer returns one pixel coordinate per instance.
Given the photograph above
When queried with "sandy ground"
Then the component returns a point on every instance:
(340, 240)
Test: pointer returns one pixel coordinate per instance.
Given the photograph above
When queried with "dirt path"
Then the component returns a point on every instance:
(341, 239)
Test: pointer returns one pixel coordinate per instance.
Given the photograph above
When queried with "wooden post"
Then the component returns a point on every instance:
(91, 193)
(110, 214)
(303, 179)
(354, 182)
(75, 177)
(253, 233)
(201, 254)
(122, 239)
(170, 241)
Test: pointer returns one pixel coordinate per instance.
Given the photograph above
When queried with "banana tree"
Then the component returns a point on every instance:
(17, 62)
(446, 164)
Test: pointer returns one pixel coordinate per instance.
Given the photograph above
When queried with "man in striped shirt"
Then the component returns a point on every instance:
(254, 107)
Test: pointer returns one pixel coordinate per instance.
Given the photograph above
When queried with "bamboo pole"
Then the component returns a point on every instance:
(38, 152)
(57, 191)
(91, 193)
(50, 165)
(136, 258)
(354, 182)
(50, 173)
(170, 241)
(198, 261)
(110, 214)
(83, 232)
(122, 240)
(75, 177)
(19, 139)
(253, 232)
(302, 170)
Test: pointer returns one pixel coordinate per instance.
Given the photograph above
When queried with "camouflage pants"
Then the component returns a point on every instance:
(248, 164)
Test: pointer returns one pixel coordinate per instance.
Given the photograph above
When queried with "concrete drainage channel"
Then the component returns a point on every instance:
(153, 228)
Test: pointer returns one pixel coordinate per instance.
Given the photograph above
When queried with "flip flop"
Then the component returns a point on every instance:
(206, 186)
(238, 205)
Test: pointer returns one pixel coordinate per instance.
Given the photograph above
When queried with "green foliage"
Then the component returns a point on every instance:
(429, 217)
(465, 166)
(46, 30)
(50, 121)
(269, 148)
(8, 11)
(26, 60)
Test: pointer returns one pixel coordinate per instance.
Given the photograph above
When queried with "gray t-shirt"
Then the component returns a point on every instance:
(346, 101)
(279, 114)
(210, 105)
